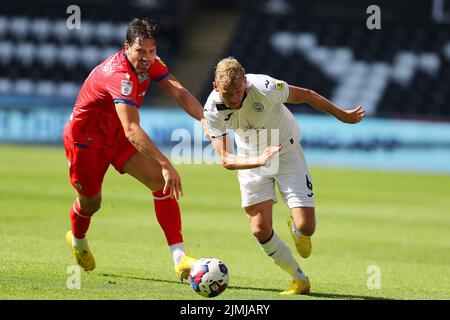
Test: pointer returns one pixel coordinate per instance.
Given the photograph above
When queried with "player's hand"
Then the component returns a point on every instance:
(353, 116)
(172, 181)
(268, 153)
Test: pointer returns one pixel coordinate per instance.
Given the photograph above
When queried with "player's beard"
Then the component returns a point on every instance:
(143, 66)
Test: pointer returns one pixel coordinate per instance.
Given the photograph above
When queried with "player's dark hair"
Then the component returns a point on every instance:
(142, 29)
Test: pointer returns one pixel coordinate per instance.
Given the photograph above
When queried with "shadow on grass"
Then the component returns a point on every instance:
(312, 294)
(344, 296)
(184, 283)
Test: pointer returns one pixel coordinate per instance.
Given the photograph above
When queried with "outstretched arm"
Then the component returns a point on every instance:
(299, 95)
(230, 161)
(174, 89)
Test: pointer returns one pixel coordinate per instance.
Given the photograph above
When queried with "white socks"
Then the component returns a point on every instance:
(177, 252)
(80, 244)
(282, 256)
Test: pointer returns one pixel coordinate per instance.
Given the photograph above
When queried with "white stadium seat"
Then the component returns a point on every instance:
(24, 87)
(68, 89)
(47, 54)
(85, 33)
(25, 52)
(429, 62)
(6, 86)
(105, 31)
(41, 28)
(19, 26)
(90, 56)
(60, 31)
(4, 25)
(6, 52)
(46, 88)
(69, 56)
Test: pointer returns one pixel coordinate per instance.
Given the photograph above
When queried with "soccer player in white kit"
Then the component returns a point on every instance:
(269, 152)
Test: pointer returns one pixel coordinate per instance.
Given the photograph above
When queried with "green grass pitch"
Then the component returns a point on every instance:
(398, 222)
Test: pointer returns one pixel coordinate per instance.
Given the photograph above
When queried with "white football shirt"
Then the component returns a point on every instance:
(263, 119)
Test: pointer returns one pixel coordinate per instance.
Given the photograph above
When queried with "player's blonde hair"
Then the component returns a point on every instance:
(229, 71)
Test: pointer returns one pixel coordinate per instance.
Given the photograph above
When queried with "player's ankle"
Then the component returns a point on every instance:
(80, 244)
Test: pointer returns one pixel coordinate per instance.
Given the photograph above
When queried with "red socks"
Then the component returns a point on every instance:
(168, 215)
(80, 221)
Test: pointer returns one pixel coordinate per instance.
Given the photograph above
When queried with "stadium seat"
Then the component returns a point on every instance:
(6, 52)
(46, 88)
(24, 86)
(6, 86)
(41, 29)
(19, 27)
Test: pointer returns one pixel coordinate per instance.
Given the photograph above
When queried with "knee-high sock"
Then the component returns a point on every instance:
(168, 215)
(80, 221)
(282, 256)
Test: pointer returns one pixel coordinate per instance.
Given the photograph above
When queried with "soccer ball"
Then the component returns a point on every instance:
(209, 277)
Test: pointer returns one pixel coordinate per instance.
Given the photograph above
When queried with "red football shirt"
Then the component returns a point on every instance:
(94, 120)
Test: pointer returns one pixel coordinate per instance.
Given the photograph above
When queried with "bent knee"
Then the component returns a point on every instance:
(90, 204)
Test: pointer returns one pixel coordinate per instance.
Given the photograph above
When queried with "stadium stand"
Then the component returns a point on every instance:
(402, 70)
(41, 56)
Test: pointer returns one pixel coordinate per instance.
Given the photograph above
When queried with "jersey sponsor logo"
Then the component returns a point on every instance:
(126, 88)
(279, 85)
(228, 116)
(258, 107)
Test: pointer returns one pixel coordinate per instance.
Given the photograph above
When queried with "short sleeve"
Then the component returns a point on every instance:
(278, 92)
(122, 88)
(158, 70)
(216, 126)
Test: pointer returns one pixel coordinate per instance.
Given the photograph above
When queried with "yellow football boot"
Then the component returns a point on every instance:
(297, 286)
(303, 243)
(184, 267)
(84, 258)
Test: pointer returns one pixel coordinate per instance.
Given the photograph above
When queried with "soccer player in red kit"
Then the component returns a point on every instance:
(104, 129)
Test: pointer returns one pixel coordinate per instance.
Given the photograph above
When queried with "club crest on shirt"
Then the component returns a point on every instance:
(258, 107)
(142, 76)
(126, 88)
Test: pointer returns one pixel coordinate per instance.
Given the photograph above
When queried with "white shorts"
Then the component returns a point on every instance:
(292, 177)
